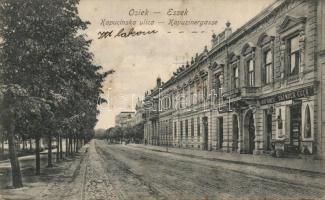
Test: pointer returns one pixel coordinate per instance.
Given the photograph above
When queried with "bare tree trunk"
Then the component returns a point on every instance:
(57, 147)
(3, 143)
(15, 168)
(30, 144)
(37, 155)
(70, 145)
(77, 146)
(61, 151)
(49, 150)
(74, 144)
(66, 146)
(17, 144)
(22, 141)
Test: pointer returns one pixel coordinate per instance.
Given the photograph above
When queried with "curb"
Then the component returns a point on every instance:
(236, 161)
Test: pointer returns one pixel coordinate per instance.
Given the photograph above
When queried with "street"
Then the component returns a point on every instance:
(114, 171)
(138, 174)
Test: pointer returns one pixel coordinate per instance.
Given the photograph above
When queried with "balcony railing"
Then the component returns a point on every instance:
(231, 93)
(249, 91)
(153, 114)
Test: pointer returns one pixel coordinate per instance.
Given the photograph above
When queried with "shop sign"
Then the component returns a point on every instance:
(291, 95)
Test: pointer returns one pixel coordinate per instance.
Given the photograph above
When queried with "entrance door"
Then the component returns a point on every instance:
(220, 132)
(205, 129)
(251, 131)
(268, 129)
(295, 113)
(235, 133)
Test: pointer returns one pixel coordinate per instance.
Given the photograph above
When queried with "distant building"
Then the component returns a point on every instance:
(139, 112)
(124, 118)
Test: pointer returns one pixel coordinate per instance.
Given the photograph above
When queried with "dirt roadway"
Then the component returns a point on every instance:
(119, 172)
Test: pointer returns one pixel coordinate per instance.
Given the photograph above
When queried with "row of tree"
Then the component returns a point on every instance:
(49, 84)
(128, 134)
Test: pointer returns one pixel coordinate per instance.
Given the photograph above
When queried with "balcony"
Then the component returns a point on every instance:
(153, 114)
(250, 92)
(231, 93)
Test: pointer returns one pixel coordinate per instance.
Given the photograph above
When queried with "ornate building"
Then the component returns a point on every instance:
(124, 119)
(258, 89)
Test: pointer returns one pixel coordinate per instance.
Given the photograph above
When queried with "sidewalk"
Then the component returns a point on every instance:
(303, 164)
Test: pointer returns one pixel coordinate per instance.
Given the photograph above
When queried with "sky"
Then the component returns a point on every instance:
(139, 60)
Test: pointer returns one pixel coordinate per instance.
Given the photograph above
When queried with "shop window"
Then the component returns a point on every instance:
(280, 123)
(307, 127)
(294, 55)
(251, 73)
(268, 67)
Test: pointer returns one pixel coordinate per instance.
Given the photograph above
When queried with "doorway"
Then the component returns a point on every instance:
(235, 133)
(295, 126)
(268, 130)
(205, 133)
(220, 132)
(249, 133)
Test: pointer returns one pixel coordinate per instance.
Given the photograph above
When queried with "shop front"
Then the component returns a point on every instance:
(292, 117)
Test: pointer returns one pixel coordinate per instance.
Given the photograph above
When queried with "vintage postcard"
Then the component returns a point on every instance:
(162, 99)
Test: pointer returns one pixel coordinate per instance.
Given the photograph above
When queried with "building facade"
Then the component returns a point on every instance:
(124, 119)
(258, 89)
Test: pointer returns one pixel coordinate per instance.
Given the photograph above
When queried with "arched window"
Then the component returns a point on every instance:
(235, 76)
(268, 67)
(251, 73)
(307, 127)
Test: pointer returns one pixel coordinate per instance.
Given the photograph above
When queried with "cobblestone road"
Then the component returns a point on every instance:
(130, 173)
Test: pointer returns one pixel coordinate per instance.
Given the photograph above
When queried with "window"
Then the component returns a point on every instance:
(181, 103)
(186, 129)
(236, 76)
(160, 105)
(192, 128)
(307, 127)
(205, 89)
(186, 96)
(268, 67)
(198, 93)
(251, 74)
(217, 85)
(198, 129)
(294, 57)
(192, 95)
